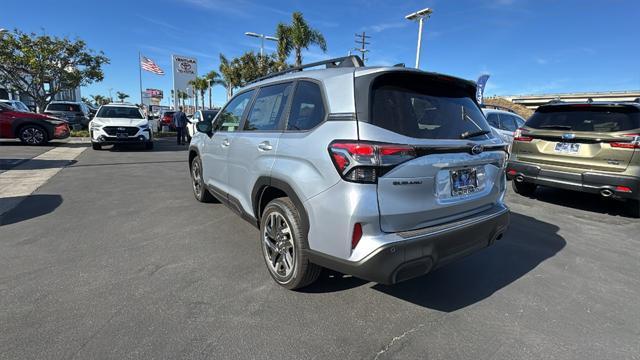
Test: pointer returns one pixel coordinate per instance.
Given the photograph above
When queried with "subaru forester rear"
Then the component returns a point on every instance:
(382, 173)
(591, 147)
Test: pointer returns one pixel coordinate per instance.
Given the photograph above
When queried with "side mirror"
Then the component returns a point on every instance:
(205, 127)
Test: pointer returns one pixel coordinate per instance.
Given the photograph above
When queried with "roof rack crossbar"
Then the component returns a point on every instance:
(345, 61)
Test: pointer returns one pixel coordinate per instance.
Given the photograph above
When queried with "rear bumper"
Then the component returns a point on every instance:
(588, 181)
(423, 250)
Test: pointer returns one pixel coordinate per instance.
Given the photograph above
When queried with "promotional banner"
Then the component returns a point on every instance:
(184, 70)
(155, 93)
(481, 83)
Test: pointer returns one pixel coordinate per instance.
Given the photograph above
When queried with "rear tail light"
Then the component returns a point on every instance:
(633, 144)
(512, 172)
(356, 236)
(364, 162)
(624, 189)
(521, 135)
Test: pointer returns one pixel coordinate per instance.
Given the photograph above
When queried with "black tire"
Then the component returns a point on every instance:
(197, 183)
(148, 145)
(33, 135)
(303, 272)
(633, 208)
(96, 146)
(523, 188)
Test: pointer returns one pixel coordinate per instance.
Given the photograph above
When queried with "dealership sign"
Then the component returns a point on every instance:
(154, 93)
(184, 70)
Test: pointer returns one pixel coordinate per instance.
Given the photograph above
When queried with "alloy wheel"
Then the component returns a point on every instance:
(278, 245)
(196, 175)
(33, 136)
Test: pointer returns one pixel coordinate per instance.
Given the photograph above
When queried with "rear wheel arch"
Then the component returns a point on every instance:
(267, 189)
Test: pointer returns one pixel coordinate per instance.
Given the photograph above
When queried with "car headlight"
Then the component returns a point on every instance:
(144, 126)
(95, 126)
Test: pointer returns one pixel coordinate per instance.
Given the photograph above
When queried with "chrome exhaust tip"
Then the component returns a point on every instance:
(606, 192)
(519, 178)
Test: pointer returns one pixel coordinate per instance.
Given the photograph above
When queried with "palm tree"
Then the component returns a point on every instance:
(98, 99)
(214, 79)
(297, 36)
(230, 75)
(121, 96)
(182, 95)
(199, 84)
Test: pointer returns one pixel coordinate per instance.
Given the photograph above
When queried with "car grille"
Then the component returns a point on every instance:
(113, 130)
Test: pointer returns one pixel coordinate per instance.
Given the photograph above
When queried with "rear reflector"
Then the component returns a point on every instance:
(512, 172)
(624, 189)
(357, 235)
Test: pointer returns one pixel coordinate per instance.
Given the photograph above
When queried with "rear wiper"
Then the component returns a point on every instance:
(469, 134)
(562, 127)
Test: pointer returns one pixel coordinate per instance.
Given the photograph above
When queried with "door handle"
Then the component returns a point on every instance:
(225, 142)
(265, 145)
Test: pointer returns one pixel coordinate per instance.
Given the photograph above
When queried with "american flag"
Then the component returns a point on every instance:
(148, 65)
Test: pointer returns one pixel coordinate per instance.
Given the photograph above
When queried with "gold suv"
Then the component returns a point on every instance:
(591, 147)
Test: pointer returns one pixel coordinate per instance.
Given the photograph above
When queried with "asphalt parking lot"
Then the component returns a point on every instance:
(114, 258)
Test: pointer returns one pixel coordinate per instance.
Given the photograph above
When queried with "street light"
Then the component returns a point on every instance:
(420, 16)
(262, 37)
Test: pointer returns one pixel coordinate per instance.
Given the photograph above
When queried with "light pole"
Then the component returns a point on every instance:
(209, 86)
(262, 38)
(420, 16)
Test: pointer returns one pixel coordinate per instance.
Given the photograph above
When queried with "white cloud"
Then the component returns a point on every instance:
(386, 26)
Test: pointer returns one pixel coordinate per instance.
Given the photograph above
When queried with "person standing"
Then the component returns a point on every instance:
(180, 122)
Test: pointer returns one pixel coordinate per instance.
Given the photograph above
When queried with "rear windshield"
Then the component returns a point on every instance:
(421, 107)
(119, 112)
(64, 107)
(586, 118)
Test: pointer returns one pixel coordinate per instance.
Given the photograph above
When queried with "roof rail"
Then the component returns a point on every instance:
(497, 107)
(345, 61)
(555, 101)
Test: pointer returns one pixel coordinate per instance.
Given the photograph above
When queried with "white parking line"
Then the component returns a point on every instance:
(24, 179)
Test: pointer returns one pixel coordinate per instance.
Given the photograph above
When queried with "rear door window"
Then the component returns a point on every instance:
(424, 109)
(307, 107)
(590, 118)
(229, 119)
(492, 119)
(268, 108)
(508, 122)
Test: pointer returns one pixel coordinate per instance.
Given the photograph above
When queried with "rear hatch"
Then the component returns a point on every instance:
(453, 166)
(580, 137)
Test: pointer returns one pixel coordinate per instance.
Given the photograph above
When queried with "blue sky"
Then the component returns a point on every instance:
(528, 46)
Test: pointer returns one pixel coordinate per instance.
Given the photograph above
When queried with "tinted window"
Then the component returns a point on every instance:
(508, 122)
(307, 108)
(519, 122)
(586, 118)
(229, 119)
(63, 107)
(424, 109)
(268, 107)
(209, 115)
(119, 112)
(492, 119)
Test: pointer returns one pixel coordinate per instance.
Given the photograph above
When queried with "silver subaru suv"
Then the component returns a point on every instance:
(384, 173)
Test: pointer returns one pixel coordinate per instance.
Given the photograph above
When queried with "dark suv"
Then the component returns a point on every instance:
(76, 113)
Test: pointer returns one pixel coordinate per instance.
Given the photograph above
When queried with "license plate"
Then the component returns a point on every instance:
(567, 148)
(122, 135)
(464, 181)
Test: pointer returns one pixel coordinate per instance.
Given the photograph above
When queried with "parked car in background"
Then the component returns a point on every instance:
(76, 113)
(16, 105)
(120, 123)
(166, 119)
(589, 147)
(384, 173)
(504, 122)
(30, 128)
(200, 115)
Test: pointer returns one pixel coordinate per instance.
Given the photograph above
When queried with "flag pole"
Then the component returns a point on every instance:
(140, 68)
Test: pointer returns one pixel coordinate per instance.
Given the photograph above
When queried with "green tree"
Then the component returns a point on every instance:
(41, 66)
(253, 66)
(200, 85)
(296, 37)
(121, 96)
(214, 79)
(230, 73)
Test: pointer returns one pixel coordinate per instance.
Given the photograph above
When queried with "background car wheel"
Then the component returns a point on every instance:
(523, 188)
(33, 135)
(282, 240)
(199, 190)
(96, 146)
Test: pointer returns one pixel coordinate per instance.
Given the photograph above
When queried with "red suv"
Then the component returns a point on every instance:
(30, 128)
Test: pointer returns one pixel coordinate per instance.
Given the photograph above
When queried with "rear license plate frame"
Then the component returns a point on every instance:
(464, 181)
(566, 148)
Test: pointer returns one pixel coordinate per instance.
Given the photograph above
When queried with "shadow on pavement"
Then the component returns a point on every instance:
(163, 144)
(581, 201)
(23, 208)
(527, 244)
(333, 281)
(33, 164)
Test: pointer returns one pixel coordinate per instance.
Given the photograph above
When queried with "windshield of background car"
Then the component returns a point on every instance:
(421, 108)
(119, 112)
(209, 115)
(586, 118)
(20, 106)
